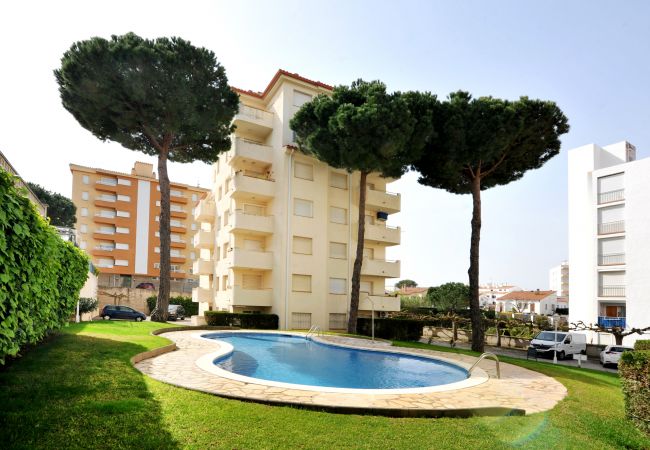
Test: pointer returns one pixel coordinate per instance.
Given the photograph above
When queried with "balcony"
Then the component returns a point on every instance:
(379, 303)
(380, 268)
(611, 196)
(177, 198)
(612, 291)
(610, 322)
(611, 259)
(382, 234)
(243, 150)
(205, 211)
(201, 295)
(252, 297)
(611, 227)
(246, 185)
(202, 267)
(204, 239)
(383, 201)
(241, 221)
(253, 121)
(178, 213)
(251, 259)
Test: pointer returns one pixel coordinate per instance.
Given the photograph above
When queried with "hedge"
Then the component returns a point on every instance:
(254, 321)
(40, 273)
(634, 370)
(397, 329)
(191, 308)
(642, 344)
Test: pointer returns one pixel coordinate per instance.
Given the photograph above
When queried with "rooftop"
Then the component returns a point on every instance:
(534, 296)
(275, 79)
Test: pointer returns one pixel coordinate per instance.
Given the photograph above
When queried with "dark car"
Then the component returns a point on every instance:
(175, 312)
(122, 312)
(149, 286)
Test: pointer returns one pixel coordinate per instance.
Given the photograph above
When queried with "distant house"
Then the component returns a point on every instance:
(420, 292)
(538, 302)
(489, 293)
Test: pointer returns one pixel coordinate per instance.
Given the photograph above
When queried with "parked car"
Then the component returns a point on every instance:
(565, 343)
(175, 312)
(149, 286)
(612, 354)
(122, 312)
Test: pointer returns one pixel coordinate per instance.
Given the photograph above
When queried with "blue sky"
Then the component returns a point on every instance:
(591, 57)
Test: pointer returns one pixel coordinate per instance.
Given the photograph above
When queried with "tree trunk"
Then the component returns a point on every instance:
(498, 335)
(473, 272)
(159, 314)
(619, 338)
(356, 271)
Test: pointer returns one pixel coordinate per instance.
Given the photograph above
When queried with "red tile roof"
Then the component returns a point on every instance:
(534, 296)
(412, 290)
(277, 75)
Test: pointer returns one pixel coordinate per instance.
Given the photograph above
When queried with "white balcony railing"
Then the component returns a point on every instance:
(611, 227)
(611, 196)
(612, 291)
(611, 259)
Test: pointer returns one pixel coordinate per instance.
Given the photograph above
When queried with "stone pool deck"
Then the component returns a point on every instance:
(518, 391)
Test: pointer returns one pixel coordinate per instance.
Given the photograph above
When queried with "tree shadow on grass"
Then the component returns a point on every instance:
(80, 392)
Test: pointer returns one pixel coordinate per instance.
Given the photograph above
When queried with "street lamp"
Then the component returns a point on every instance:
(555, 321)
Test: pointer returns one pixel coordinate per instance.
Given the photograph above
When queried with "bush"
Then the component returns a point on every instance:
(643, 344)
(191, 308)
(393, 329)
(253, 321)
(562, 311)
(40, 273)
(87, 305)
(634, 370)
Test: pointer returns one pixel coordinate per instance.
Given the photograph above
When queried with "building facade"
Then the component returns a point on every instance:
(558, 280)
(609, 238)
(490, 292)
(118, 223)
(528, 302)
(278, 229)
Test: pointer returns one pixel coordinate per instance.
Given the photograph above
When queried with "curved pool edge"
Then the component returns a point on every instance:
(206, 363)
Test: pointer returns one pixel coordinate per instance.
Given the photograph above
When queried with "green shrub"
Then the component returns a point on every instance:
(394, 329)
(643, 344)
(40, 273)
(87, 305)
(634, 370)
(253, 321)
(191, 308)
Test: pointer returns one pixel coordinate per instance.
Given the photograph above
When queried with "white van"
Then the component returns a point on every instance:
(567, 343)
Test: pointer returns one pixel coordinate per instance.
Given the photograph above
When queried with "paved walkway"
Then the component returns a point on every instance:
(518, 388)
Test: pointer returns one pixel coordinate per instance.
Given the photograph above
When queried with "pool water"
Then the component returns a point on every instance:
(296, 360)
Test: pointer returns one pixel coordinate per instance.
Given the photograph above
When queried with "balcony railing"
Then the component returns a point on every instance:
(611, 259)
(254, 113)
(612, 291)
(611, 196)
(611, 227)
(107, 182)
(609, 322)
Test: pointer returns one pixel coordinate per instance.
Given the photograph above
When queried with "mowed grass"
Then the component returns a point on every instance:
(80, 391)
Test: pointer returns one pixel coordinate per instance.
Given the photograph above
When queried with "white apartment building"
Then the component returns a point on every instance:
(609, 237)
(278, 231)
(558, 279)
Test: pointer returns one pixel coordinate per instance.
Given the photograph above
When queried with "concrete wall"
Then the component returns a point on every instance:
(133, 298)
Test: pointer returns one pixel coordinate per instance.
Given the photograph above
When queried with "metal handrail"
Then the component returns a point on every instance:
(314, 330)
(485, 355)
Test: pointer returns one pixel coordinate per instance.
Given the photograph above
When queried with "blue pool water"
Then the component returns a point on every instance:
(296, 360)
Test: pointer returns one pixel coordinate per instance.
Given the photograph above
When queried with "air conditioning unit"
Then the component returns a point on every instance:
(383, 216)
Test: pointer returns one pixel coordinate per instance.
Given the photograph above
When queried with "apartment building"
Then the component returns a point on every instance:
(118, 223)
(609, 237)
(558, 279)
(278, 231)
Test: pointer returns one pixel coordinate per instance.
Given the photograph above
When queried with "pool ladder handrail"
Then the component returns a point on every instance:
(483, 356)
(315, 331)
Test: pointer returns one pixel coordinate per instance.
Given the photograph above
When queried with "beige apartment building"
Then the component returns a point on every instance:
(118, 223)
(278, 230)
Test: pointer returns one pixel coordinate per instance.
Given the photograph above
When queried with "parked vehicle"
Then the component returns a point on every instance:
(122, 312)
(149, 286)
(612, 354)
(565, 343)
(175, 312)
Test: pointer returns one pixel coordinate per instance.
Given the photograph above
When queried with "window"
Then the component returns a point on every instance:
(84, 212)
(252, 281)
(338, 286)
(220, 193)
(366, 286)
(86, 180)
(194, 197)
(303, 208)
(193, 226)
(254, 210)
(84, 195)
(124, 198)
(368, 253)
(304, 171)
(82, 245)
(338, 215)
(122, 230)
(300, 321)
(302, 245)
(338, 321)
(339, 180)
(121, 246)
(300, 98)
(123, 214)
(224, 283)
(253, 245)
(338, 250)
(124, 182)
(83, 228)
(301, 283)
(192, 256)
(121, 262)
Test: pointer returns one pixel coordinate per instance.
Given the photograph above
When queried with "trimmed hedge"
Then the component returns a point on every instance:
(191, 308)
(634, 370)
(254, 321)
(643, 344)
(40, 273)
(392, 329)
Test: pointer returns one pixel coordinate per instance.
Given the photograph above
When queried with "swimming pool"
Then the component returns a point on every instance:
(291, 359)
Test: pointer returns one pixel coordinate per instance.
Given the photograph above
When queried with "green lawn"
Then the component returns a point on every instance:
(80, 391)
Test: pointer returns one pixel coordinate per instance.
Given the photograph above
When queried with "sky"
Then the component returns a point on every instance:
(591, 57)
